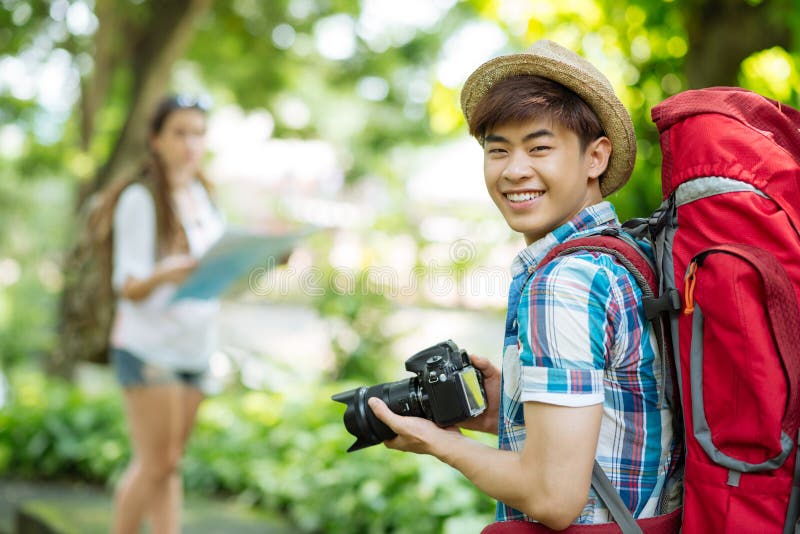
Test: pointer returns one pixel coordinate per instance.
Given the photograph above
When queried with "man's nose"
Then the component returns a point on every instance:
(518, 167)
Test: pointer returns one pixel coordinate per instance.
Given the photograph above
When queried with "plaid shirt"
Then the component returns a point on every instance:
(576, 335)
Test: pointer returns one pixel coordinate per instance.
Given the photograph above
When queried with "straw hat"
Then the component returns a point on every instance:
(551, 60)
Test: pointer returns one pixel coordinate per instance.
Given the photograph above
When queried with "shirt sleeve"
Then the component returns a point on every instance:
(134, 240)
(567, 317)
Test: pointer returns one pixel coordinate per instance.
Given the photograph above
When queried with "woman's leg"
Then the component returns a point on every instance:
(154, 418)
(165, 509)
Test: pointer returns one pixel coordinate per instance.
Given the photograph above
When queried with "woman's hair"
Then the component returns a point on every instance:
(528, 97)
(170, 234)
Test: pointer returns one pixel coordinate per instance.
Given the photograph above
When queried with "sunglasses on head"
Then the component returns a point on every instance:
(174, 103)
(201, 102)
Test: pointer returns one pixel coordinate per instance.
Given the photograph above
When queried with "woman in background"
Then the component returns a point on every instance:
(163, 221)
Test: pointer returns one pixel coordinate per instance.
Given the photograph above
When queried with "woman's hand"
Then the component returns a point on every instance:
(487, 421)
(172, 269)
(175, 268)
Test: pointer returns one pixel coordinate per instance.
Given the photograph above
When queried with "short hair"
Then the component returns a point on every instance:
(528, 97)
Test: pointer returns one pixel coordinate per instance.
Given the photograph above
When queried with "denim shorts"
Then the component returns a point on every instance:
(132, 371)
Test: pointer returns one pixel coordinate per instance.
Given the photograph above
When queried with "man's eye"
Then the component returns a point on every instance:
(540, 148)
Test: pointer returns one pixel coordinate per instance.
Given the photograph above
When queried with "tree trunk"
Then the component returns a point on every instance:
(150, 51)
(108, 51)
(722, 33)
(154, 55)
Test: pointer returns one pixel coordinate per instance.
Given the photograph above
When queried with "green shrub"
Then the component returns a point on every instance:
(270, 450)
(51, 429)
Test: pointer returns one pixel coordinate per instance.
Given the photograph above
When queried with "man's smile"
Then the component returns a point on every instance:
(519, 199)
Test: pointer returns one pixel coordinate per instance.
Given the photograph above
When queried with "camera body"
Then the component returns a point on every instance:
(447, 389)
(452, 386)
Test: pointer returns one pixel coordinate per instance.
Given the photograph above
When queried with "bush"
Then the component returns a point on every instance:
(270, 450)
(50, 429)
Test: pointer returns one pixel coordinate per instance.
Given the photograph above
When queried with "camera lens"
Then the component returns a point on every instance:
(402, 397)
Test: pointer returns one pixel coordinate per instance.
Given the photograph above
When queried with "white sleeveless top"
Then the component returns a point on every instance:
(180, 335)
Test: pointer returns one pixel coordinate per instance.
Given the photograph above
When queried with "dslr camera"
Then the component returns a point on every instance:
(447, 389)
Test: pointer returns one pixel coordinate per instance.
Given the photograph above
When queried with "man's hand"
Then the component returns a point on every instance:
(487, 421)
(414, 434)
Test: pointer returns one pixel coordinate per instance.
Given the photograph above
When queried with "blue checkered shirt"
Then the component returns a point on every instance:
(576, 335)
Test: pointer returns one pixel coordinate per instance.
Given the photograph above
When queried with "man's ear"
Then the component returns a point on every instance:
(597, 155)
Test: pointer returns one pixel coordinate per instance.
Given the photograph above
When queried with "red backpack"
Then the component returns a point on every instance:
(723, 294)
(728, 241)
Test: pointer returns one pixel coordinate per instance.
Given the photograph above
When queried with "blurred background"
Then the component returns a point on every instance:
(337, 114)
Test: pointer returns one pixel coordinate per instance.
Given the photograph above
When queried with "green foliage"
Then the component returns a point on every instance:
(20, 21)
(270, 450)
(357, 312)
(34, 217)
(51, 429)
(288, 453)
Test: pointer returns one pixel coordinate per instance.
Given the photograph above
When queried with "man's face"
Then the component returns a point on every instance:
(539, 177)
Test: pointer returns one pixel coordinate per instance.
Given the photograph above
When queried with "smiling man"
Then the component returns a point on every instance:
(581, 379)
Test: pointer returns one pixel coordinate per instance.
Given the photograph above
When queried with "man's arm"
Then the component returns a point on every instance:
(548, 480)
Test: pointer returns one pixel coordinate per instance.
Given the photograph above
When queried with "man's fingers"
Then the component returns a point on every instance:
(483, 364)
(382, 411)
(478, 361)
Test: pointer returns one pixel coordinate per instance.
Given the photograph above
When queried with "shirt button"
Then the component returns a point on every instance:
(531, 269)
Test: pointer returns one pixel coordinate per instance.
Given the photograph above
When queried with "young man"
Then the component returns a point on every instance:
(581, 378)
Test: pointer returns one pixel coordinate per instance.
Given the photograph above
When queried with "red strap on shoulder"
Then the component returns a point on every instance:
(631, 257)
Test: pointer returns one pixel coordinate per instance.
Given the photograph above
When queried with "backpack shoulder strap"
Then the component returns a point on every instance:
(624, 249)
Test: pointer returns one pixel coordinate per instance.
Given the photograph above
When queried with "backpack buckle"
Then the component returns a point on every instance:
(670, 300)
(664, 214)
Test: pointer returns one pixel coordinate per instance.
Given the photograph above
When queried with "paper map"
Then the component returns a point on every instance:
(233, 256)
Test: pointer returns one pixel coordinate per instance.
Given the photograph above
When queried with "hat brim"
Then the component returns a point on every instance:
(596, 92)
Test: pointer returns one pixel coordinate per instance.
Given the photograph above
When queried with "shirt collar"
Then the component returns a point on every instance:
(586, 222)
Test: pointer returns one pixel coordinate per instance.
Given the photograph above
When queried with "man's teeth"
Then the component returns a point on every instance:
(522, 197)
